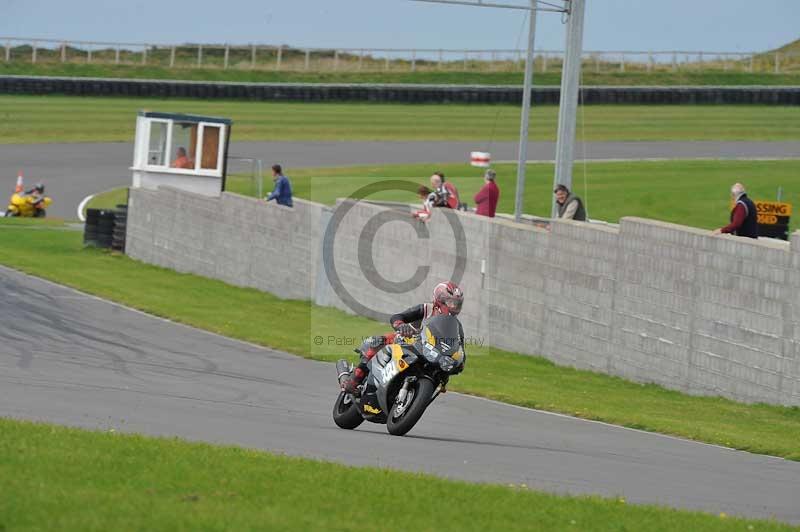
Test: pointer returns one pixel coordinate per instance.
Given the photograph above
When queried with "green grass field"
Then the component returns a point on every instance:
(36, 119)
(682, 77)
(291, 325)
(56, 478)
(694, 193)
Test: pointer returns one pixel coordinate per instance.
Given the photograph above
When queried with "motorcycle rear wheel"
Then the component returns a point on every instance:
(346, 414)
(399, 425)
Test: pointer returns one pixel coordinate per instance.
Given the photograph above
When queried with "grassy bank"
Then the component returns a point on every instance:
(109, 199)
(694, 193)
(55, 478)
(37, 119)
(292, 326)
(685, 77)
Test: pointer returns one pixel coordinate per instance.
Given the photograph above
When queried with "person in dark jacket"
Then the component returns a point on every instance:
(744, 218)
(282, 193)
(487, 197)
(447, 300)
(570, 206)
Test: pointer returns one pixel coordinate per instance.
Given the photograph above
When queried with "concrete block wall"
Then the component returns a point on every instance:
(791, 333)
(579, 289)
(704, 311)
(235, 239)
(653, 298)
(648, 301)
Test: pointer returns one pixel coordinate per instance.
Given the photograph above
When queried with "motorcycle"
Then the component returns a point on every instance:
(404, 378)
(27, 206)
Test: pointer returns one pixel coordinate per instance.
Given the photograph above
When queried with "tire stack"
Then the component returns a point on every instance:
(99, 228)
(105, 228)
(90, 227)
(120, 226)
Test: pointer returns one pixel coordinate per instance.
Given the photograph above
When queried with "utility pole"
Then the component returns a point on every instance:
(568, 107)
(568, 84)
(522, 159)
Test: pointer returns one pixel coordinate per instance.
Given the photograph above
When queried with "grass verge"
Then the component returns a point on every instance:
(56, 478)
(684, 77)
(37, 119)
(291, 325)
(109, 199)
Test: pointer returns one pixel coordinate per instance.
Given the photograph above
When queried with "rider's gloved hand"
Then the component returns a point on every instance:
(404, 329)
(375, 341)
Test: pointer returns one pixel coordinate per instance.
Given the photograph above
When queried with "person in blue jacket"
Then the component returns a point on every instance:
(282, 193)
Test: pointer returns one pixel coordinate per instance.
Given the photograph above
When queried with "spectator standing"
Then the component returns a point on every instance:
(487, 197)
(282, 193)
(744, 218)
(445, 191)
(570, 206)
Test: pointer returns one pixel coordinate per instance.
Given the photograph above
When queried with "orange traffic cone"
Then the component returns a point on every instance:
(19, 187)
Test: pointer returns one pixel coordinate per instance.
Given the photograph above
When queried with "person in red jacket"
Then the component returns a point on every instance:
(487, 197)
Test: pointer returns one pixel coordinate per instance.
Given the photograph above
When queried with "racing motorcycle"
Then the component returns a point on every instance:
(27, 205)
(404, 377)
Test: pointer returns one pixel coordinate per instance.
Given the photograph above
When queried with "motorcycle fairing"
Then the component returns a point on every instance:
(385, 366)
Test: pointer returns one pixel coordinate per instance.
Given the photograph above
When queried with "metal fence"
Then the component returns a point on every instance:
(289, 58)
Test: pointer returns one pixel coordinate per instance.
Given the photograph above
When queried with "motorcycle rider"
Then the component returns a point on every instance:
(448, 299)
(36, 194)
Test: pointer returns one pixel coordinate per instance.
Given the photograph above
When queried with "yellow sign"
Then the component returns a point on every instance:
(773, 208)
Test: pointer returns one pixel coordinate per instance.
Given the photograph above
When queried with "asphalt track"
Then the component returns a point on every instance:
(77, 360)
(73, 171)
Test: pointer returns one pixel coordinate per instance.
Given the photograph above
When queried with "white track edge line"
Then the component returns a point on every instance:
(81, 205)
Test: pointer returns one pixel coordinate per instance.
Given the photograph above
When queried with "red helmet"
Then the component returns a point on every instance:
(448, 298)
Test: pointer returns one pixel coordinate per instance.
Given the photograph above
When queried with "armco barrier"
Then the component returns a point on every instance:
(397, 93)
(648, 301)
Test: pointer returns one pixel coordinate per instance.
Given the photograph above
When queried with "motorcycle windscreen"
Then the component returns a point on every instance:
(443, 333)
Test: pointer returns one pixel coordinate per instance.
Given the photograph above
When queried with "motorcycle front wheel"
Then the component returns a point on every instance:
(420, 394)
(345, 412)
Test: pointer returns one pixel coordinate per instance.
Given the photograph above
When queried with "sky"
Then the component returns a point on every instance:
(657, 25)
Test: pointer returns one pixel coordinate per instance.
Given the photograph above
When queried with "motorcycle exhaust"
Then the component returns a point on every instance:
(343, 370)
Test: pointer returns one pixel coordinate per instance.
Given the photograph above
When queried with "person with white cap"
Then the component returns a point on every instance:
(744, 218)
